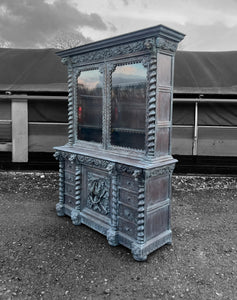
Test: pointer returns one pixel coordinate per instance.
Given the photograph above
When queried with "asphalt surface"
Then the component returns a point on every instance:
(43, 256)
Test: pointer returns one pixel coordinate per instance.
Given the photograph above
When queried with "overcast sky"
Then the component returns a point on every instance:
(209, 25)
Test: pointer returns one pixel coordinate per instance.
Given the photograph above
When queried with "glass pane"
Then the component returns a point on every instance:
(128, 106)
(89, 85)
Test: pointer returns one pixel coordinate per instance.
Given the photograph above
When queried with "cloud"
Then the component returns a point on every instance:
(125, 2)
(213, 37)
(36, 23)
(32, 23)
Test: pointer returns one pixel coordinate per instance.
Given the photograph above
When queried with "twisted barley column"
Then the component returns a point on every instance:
(70, 105)
(114, 206)
(152, 106)
(78, 188)
(75, 213)
(112, 233)
(141, 214)
(60, 204)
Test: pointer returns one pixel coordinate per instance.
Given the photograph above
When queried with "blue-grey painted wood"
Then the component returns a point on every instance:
(116, 189)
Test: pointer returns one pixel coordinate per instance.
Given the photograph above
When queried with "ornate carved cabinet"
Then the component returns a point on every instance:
(115, 171)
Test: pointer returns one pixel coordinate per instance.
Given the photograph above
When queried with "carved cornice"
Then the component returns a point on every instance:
(167, 45)
(103, 54)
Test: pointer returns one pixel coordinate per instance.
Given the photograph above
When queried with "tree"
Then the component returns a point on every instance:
(65, 40)
(5, 44)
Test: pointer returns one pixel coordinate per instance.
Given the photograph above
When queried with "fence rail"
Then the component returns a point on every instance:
(21, 136)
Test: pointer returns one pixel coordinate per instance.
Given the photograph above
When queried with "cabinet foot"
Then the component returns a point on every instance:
(60, 209)
(138, 253)
(140, 258)
(75, 217)
(112, 237)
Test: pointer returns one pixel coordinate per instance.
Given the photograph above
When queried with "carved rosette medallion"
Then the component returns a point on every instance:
(98, 194)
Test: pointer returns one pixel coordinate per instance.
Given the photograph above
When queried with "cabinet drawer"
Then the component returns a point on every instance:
(128, 183)
(128, 198)
(69, 177)
(128, 213)
(70, 166)
(69, 200)
(69, 189)
(127, 228)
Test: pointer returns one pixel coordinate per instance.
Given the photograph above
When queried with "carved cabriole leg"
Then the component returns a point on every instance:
(112, 233)
(75, 214)
(60, 204)
(137, 247)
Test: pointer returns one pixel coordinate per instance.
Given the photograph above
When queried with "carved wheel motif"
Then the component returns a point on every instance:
(98, 194)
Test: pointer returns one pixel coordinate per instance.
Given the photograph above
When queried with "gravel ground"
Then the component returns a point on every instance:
(43, 256)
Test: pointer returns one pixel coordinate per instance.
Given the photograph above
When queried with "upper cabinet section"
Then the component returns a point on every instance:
(120, 92)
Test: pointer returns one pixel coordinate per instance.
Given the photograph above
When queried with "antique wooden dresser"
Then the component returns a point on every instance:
(115, 171)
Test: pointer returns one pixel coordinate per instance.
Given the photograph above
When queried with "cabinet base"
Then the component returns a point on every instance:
(140, 251)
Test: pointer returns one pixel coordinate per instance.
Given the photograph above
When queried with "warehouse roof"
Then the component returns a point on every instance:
(206, 72)
(27, 70)
(39, 70)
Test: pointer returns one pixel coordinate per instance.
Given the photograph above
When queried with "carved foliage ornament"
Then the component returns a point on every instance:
(166, 45)
(160, 171)
(98, 194)
(87, 160)
(110, 52)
